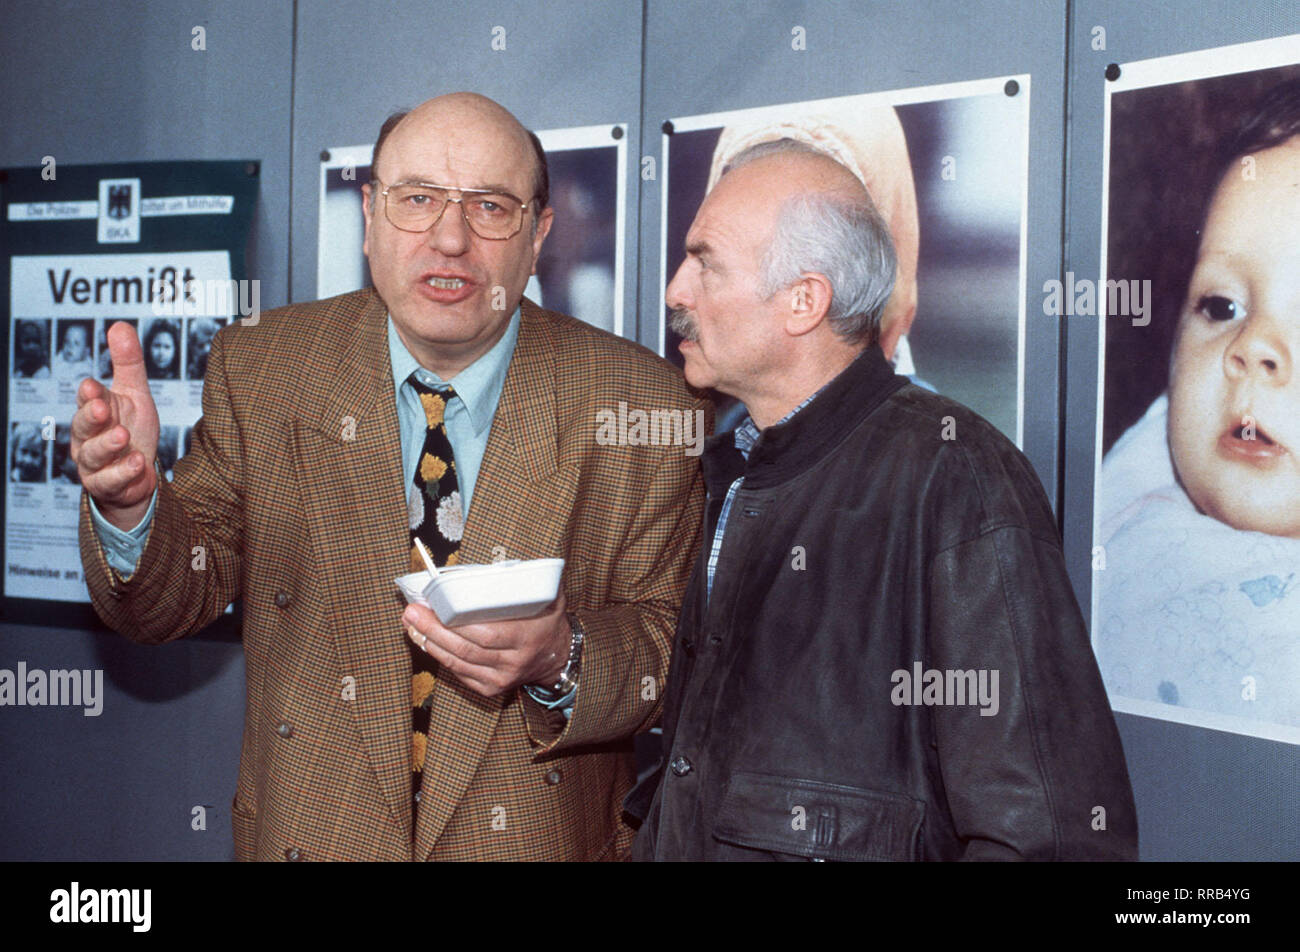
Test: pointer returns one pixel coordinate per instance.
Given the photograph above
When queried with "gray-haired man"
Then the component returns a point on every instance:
(879, 654)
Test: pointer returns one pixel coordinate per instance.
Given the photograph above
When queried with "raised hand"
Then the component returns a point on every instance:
(115, 434)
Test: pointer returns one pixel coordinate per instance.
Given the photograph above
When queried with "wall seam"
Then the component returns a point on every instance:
(293, 142)
(1062, 330)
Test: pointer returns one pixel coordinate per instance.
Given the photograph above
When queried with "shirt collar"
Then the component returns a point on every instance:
(479, 385)
(747, 433)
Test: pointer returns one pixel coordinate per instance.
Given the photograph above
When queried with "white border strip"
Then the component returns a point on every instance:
(160, 207)
(1205, 64)
(592, 137)
(357, 156)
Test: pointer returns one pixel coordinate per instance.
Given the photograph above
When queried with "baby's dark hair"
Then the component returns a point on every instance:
(1274, 119)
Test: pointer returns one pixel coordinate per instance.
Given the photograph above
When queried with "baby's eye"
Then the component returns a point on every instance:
(1219, 308)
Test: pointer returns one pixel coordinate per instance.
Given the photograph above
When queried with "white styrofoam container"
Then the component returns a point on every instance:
(470, 594)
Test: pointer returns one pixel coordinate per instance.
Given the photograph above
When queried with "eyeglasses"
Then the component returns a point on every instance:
(417, 207)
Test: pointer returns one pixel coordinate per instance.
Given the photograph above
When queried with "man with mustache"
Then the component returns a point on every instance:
(437, 406)
(879, 656)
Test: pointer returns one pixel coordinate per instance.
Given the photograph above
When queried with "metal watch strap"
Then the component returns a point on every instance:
(569, 676)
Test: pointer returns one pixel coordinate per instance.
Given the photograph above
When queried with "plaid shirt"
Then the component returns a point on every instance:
(744, 436)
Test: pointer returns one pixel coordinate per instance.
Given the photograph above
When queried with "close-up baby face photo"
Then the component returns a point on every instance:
(1234, 401)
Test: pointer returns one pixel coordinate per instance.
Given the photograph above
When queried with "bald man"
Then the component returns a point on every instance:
(438, 407)
(869, 142)
(879, 656)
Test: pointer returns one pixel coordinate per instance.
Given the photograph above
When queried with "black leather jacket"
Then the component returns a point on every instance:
(883, 531)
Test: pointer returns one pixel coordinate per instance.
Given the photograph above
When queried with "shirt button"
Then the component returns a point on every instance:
(553, 776)
(293, 854)
(284, 730)
(680, 766)
(282, 599)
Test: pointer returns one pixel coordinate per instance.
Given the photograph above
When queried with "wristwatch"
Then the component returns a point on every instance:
(569, 676)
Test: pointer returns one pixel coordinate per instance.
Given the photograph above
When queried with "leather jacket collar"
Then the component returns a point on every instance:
(787, 449)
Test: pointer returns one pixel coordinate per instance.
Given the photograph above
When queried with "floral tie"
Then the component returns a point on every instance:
(437, 520)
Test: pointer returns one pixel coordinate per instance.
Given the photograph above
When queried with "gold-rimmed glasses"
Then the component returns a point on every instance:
(418, 206)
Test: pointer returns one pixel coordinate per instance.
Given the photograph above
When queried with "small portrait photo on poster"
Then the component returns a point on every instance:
(26, 453)
(168, 437)
(198, 344)
(162, 349)
(1196, 556)
(64, 467)
(31, 349)
(72, 358)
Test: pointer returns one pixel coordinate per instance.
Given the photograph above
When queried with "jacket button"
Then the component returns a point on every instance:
(284, 730)
(553, 776)
(282, 599)
(293, 854)
(419, 795)
(680, 766)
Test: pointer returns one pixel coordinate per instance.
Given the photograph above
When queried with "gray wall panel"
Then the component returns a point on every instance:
(119, 82)
(123, 784)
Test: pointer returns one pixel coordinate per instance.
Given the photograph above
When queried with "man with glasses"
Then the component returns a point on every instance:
(438, 406)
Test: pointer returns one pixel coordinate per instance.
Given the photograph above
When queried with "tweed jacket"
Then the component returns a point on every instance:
(292, 499)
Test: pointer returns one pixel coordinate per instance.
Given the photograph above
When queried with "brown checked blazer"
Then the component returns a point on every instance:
(292, 499)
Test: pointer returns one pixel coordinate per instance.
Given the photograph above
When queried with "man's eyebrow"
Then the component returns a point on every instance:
(698, 247)
(477, 188)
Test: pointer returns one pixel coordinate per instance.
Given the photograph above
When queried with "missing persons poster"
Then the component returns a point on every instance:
(582, 266)
(158, 245)
(1196, 538)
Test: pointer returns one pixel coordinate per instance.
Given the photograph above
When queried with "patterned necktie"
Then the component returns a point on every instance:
(437, 520)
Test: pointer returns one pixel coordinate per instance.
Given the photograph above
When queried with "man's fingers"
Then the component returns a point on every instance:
(103, 449)
(111, 481)
(128, 358)
(457, 646)
(493, 636)
(90, 389)
(483, 680)
(91, 420)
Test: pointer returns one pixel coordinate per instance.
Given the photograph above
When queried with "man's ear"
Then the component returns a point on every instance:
(810, 301)
(367, 192)
(544, 222)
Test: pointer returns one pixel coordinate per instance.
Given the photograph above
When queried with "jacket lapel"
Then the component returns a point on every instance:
(348, 449)
(521, 502)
